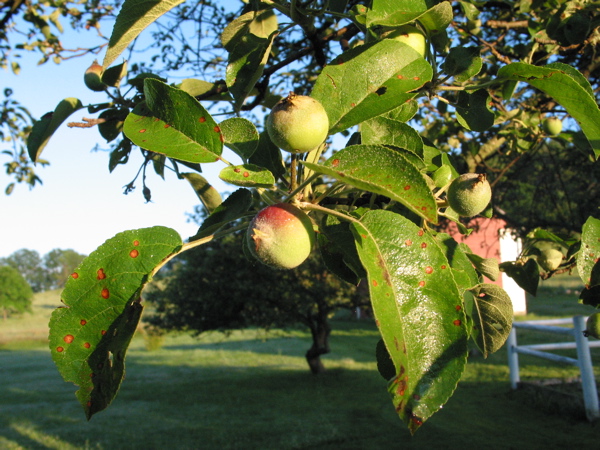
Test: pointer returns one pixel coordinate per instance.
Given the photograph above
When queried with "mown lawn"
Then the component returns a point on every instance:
(253, 391)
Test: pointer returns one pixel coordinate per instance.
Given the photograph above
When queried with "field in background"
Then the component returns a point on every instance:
(253, 390)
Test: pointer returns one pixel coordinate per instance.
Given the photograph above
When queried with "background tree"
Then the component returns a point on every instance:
(404, 122)
(60, 264)
(15, 293)
(214, 287)
(29, 264)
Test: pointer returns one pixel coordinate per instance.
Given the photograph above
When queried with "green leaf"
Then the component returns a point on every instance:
(336, 243)
(113, 75)
(175, 124)
(240, 135)
(526, 275)
(393, 13)
(90, 335)
(419, 311)
(232, 208)
(589, 253)
(248, 40)
(568, 87)
(464, 273)
(369, 80)
(44, 128)
(383, 171)
(473, 112)
(384, 131)
(201, 88)
(268, 155)
(134, 17)
(207, 194)
(487, 267)
(463, 63)
(112, 127)
(248, 175)
(492, 317)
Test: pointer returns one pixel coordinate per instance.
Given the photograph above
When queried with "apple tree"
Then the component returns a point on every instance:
(15, 292)
(404, 123)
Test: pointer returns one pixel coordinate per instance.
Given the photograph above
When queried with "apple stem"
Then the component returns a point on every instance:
(301, 186)
(294, 173)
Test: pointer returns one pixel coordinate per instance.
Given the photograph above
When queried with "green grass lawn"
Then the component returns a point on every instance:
(253, 390)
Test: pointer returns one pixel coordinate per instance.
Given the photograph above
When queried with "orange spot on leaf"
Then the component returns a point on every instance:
(68, 338)
(59, 349)
(101, 274)
(104, 293)
(134, 253)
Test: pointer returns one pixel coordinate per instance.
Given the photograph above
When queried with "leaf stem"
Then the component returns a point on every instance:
(197, 243)
(313, 207)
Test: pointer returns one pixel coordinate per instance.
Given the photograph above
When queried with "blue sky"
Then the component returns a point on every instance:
(81, 204)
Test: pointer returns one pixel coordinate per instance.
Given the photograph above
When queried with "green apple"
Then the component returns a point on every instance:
(552, 126)
(411, 36)
(93, 77)
(474, 25)
(281, 236)
(298, 124)
(593, 325)
(550, 259)
(469, 194)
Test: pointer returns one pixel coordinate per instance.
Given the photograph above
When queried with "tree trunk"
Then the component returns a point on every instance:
(320, 330)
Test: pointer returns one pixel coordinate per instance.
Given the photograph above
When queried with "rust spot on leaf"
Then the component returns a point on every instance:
(134, 253)
(457, 322)
(105, 294)
(68, 338)
(100, 274)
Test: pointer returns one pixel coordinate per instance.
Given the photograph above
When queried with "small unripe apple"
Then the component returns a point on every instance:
(593, 325)
(469, 194)
(552, 126)
(298, 124)
(550, 259)
(93, 77)
(411, 36)
(474, 25)
(281, 236)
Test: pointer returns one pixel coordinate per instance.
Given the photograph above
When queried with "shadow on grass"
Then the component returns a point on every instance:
(231, 403)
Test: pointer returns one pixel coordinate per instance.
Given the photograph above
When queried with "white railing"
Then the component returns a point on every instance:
(583, 361)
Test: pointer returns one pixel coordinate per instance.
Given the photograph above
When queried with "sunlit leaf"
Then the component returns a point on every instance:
(492, 317)
(383, 171)
(369, 80)
(418, 309)
(90, 335)
(133, 18)
(568, 87)
(44, 128)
